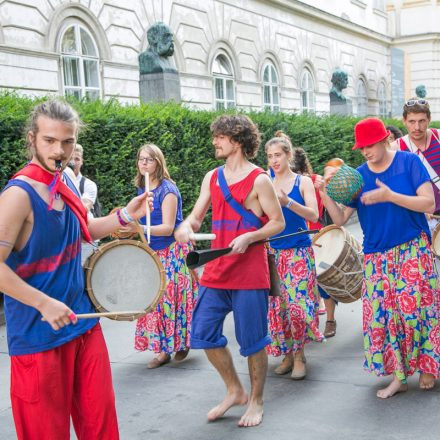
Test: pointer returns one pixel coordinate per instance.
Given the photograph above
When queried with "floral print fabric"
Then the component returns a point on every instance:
(293, 317)
(167, 329)
(400, 303)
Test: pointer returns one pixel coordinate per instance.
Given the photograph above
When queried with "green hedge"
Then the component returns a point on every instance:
(114, 132)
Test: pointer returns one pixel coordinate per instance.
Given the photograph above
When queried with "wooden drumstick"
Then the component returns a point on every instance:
(198, 236)
(102, 314)
(148, 213)
(108, 314)
(435, 216)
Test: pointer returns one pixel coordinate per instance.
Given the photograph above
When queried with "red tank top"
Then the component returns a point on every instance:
(239, 271)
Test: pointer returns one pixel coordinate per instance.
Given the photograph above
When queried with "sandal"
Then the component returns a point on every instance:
(156, 362)
(330, 329)
(181, 355)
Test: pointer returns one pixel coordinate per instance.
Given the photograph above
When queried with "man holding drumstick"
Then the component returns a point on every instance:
(58, 370)
(399, 298)
(238, 282)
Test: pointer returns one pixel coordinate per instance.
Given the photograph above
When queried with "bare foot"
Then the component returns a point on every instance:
(396, 386)
(426, 381)
(253, 415)
(231, 399)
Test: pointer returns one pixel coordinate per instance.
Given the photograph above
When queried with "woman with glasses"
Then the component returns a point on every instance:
(166, 330)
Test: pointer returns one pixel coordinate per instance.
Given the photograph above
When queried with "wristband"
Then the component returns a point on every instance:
(120, 219)
(289, 204)
(127, 216)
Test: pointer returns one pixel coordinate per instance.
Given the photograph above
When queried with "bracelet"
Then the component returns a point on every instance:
(289, 204)
(120, 219)
(127, 216)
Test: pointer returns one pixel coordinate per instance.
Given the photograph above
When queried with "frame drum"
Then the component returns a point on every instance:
(338, 258)
(435, 246)
(124, 275)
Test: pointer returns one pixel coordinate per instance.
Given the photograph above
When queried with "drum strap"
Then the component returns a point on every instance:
(253, 220)
(248, 216)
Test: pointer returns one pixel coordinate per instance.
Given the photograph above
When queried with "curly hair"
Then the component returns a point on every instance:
(240, 129)
(301, 163)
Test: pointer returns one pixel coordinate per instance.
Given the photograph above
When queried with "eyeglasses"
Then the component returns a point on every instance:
(412, 102)
(146, 160)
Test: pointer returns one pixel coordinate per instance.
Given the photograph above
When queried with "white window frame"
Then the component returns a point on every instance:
(82, 88)
(361, 101)
(273, 87)
(308, 92)
(382, 98)
(224, 79)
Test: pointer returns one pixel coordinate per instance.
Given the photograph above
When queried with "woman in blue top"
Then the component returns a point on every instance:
(293, 317)
(400, 297)
(167, 329)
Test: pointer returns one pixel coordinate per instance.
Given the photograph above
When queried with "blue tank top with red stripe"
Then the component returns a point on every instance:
(50, 262)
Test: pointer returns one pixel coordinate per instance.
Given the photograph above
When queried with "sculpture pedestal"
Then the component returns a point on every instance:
(341, 108)
(162, 86)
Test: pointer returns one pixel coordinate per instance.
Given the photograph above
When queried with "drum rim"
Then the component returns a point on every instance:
(434, 234)
(342, 254)
(94, 257)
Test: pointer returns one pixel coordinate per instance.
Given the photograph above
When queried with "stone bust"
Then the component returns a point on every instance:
(421, 91)
(340, 82)
(161, 46)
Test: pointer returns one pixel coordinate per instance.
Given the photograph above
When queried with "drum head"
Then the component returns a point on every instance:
(332, 242)
(125, 276)
(436, 240)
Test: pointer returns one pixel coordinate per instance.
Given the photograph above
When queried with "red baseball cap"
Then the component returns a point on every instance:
(369, 131)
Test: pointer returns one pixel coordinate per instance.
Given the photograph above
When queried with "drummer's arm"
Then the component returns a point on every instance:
(194, 221)
(102, 226)
(338, 215)
(15, 211)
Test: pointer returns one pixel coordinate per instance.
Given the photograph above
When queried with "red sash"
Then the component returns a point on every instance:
(55, 185)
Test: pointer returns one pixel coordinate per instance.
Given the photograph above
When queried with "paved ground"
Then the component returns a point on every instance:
(336, 401)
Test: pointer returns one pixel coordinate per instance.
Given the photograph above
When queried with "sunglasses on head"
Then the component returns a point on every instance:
(412, 102)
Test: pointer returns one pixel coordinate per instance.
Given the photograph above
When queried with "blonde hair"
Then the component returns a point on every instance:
(161, 171)
(79, 149)
(280, 138)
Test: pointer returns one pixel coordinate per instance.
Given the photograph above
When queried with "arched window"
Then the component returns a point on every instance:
(271, 94)
(224, 84)
(382, 97)
(80, 63)
(361, 98)
(307, 91)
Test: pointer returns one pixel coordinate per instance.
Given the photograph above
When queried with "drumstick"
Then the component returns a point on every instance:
(108, 314)
(198, 236)
(435, 216)
(105, 314)
(148, 214)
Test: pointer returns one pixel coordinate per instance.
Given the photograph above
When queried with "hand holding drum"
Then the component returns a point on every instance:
(343, 183)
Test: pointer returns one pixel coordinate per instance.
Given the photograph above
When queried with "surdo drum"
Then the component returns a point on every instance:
(124, 275)
(435, 246)
(338, 258)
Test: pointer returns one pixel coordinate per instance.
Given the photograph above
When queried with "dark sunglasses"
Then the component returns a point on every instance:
(412, 102)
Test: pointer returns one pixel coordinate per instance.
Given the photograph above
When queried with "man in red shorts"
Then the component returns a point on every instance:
(238, 282)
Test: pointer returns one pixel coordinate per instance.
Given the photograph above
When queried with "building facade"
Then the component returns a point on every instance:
(253, 54)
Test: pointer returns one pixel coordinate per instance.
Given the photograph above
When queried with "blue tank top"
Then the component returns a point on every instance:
(165, 188)
(293, 223)
(50, 262)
